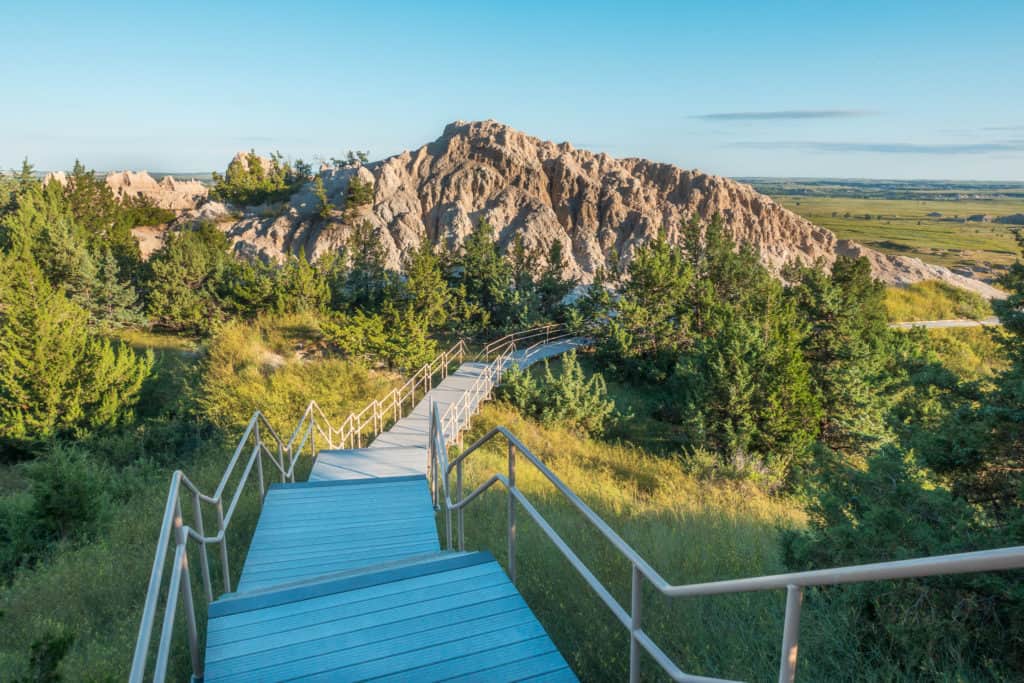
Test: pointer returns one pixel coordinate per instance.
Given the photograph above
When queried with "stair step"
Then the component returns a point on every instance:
(339, 582)
(313, 529)
(455, 615)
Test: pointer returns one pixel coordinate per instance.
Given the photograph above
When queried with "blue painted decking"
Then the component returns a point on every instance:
(403, 448)
(345, 579)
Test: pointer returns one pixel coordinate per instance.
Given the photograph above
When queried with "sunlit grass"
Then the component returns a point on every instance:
(689, 530)
(934, 300)
(94, 589)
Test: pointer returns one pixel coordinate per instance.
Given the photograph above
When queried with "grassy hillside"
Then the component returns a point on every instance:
(933, 300)
(689, 530)
(92, 589)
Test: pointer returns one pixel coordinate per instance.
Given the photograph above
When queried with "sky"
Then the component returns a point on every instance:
(811, 89)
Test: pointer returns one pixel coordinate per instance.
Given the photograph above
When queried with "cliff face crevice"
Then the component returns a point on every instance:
(547, 192)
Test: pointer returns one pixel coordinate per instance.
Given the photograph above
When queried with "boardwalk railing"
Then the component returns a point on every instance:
(370, 421)
(501, 353)
(260, 450)
(632, 617)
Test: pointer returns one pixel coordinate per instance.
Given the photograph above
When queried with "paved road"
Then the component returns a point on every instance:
(943, 324)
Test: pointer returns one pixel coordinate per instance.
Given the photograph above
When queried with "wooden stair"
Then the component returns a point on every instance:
(345, 579)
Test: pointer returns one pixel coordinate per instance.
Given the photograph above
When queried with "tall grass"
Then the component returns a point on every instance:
(934, 300)
(276, 365)
(93, 589)
(687, 529)
(972, 353)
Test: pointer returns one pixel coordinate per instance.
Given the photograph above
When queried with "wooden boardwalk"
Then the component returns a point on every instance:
(345, 579)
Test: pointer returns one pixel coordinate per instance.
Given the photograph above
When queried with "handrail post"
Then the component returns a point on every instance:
(223, 546)
(432, 457)
(185, 585)
(790, 634)
(511, 512)
(190, 620)
(204, 560)
(312, 446)
(636, 613)
(281, 450)
(458, 497)
(259, 473)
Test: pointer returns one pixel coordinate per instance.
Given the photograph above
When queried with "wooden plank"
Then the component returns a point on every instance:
(456, 644)
(351, 582)
(282, 553)
(278, 487)
(352, 657)
(300, 603)
(550, 666)
(474, 662)
(268, 580)
(280, 620)
(373, 626)
(564, 675)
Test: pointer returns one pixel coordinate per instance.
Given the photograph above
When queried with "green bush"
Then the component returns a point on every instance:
(253, 180)
(186, 275)
(264, 366)
(141, 210)
(570, 399)
(66, 500)
(920, 629)
(56, 376)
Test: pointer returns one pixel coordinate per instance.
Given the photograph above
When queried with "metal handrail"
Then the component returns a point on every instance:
(284, 457)
(794, 583)
(456, 418)
(542, 331)
(349, 434)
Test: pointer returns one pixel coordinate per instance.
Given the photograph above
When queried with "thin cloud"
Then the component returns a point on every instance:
(892, 147)
(785, 115)
(1004, 128)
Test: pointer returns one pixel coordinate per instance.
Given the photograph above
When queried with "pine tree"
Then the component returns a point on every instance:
(299, 287)
(849, 349)
(485, 274)
(34, 209)
(247, 288)
(407, 345)
(552, 285)
(425, 287)
(187, 274)
(367, 282)
(97, 211)
(112, 302)
(56, 377)
(745, 387)
(320, 192)
(652, 322)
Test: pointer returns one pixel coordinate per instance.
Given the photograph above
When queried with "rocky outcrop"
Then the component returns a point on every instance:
(903, 270)
(547, 192)
(167, 193)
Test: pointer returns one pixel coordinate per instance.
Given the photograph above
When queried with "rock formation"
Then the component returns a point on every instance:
(547, 192)
(167, 193)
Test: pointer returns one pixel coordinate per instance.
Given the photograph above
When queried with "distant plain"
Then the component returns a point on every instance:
(922, 219)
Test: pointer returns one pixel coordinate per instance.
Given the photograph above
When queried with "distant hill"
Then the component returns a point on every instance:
(593, 204)
(860, 188)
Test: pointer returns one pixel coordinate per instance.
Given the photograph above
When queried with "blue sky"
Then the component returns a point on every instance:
(858, 89)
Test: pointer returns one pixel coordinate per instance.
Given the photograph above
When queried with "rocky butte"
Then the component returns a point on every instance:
(546, 192)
